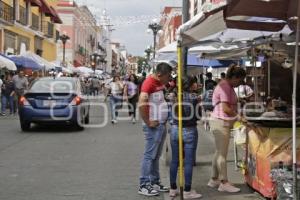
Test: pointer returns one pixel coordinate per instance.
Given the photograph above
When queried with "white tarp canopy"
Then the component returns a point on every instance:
(6, 63)
(41, 61)
(201, 48)
(212, 27)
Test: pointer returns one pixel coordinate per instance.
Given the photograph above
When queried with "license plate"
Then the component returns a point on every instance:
(49, 103)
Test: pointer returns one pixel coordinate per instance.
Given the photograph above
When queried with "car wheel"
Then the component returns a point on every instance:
(25, 126)
(79, 126)
(87, 119)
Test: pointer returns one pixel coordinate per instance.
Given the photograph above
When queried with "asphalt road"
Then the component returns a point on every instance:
(59, 163)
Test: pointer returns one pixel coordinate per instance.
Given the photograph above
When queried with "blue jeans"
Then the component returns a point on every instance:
(155, 138)
(4, 100)
(115, 104)
(190, 140)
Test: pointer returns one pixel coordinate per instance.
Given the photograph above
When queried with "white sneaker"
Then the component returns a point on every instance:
(227, 187)
(133, 120)
(148, 190)
(173, 193)
(213, 183)
(191, 195)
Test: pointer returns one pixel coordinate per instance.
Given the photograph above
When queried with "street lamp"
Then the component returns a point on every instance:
(64, 38)
(155, 27)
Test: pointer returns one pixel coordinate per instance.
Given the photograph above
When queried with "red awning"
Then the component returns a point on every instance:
(45, 8)
(55, 17)
(50, 12)
(34, 2)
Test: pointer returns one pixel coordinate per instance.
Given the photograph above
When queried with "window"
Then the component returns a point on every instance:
(9, 41)
(38, 45)
(23, 41)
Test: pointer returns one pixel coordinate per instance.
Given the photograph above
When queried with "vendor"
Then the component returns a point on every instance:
(223, 116)
(244, 91)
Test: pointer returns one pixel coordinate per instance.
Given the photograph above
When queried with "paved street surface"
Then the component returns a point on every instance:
(58, 163)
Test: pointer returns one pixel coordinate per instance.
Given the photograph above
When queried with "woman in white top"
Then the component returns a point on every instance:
(116, 97)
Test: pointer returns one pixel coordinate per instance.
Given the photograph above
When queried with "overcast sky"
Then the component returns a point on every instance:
(132, 33)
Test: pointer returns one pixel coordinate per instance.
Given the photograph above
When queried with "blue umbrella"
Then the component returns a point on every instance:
(25, 62)
(195, 61)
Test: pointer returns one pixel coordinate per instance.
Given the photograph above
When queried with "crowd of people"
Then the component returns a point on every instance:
(156, 99)
(12, 87)
(156, 112)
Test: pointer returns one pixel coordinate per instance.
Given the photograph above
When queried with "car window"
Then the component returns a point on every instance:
(53, 86)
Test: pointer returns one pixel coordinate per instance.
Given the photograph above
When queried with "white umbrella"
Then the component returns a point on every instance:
(6, 63)
(84, 70)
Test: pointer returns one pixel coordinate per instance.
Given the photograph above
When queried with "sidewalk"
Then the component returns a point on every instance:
(202, 172)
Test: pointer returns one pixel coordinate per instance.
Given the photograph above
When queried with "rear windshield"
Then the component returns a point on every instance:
(59, 86)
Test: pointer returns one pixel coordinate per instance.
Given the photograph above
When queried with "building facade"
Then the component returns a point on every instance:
(81, 26)
(170, 22)
(196, 6)
(29, 25)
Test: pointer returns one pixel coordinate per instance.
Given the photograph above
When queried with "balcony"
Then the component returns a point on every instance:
(35, 22)
(48, 29)
(23, 16)
(6, 13)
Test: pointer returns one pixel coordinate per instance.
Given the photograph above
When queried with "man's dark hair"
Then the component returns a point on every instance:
(163, 68)
(209, 75)
(223, 75)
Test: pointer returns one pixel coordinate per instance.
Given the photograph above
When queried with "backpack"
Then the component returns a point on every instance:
(207, 100)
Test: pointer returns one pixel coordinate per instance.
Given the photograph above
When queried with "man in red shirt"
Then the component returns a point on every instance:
(154, 112)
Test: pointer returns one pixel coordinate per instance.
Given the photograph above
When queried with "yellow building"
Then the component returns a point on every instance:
(29, 25)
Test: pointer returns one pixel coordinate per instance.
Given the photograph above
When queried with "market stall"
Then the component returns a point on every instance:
(270, 143)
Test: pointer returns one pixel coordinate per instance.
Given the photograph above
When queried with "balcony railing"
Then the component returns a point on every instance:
(35, 22)
(48, 29)
(6, 12)
(23, 16)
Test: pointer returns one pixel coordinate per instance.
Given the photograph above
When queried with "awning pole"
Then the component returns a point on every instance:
(295, 189)
(269, 77)
(179, 96)
(255, 75)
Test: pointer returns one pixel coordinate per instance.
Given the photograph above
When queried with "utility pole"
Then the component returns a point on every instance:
(185, 18)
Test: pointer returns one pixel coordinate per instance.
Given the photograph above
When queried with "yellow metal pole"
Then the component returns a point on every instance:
(179, 96)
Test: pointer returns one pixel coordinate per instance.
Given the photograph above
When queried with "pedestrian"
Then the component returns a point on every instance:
(225, 113)
(1, 83)
(191, 113)
(131, 95)
(154, 112)
(8, 92)
(116, 97)
(95, 85)
(20, 84)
